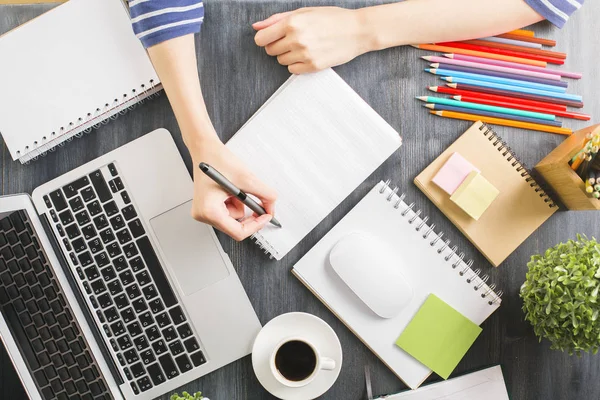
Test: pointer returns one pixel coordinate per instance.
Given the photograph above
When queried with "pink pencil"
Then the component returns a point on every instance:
(508, 64)
(491, 67)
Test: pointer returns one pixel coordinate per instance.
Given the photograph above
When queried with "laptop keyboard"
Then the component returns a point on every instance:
(40, 320)
(122, 277)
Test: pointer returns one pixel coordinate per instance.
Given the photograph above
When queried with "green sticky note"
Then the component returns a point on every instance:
(438, 336)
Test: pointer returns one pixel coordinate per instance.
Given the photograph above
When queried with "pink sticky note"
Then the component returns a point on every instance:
(453, 173)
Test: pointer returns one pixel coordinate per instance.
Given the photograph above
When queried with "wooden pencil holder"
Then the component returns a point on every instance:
(565, 182)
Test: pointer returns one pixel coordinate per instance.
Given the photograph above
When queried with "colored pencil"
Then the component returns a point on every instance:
(503, 122)
(508, 53)
(521, 43)
(445, 49)
(565, 114)
(514, 100)
(512, 47)
(517, 89)
(490, 67)
(483, 60)
(522, 32)
(554, 100)
(495, 79)
(483, 107)
(441, 107)
(545, 42)
(451, 67)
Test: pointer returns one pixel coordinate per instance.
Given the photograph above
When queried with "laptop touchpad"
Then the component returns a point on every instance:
(190, 248)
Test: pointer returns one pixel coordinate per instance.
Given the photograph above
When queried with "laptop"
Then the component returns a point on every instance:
(109, 289)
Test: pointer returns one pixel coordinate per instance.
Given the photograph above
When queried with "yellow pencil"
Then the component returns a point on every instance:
(503, 122)
(522, 32)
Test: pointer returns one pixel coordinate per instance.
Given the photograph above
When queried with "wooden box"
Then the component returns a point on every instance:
(565, 182)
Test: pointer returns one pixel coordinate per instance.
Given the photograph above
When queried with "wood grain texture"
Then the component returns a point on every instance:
(237, 78)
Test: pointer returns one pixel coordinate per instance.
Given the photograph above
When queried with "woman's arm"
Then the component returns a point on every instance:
(311, 39)
(166, 29)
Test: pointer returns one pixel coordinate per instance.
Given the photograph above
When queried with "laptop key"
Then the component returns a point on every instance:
(114, 287)
(76, 204)
(88, 232)
(159, 347)
(111, 314)
(100, 185)
(137, 370)
(147, 357)
(126, 277)
(66, 217)
(131, 356)
(176, 348)
(125, 197)
(129, 212)
(85, 259)
(102, 259)
(184, 363)
(191, 345)
(149, 291)
(167, 364)
(124, 236)
(120, 263)
(10, 315)
(82, 217)
(156, 306)
(108, 273)
(47, 393)
(141, 343)
(58, 200)
(94, 208)
(17, 221)
(139, 305)
(95, 245)
(100, 222)
(112, 169)
(117, 222)
(78, 245)
(107, 236)
(121, 301)
(153, 333)
(88, 194)
(156, 374)
(144, 384)
(127, 315)
(136, 228)
(113, 250)
(117, 328)
(146, 319)
(163, 320)
(72, 188)
(177, 315)
(72, 231)
(105, 300)
(134, 329)
(133, 291)
(198, 359)
(91, 273)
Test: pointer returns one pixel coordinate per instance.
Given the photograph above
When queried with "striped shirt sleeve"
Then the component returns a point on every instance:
(555, 11)
(155, 21)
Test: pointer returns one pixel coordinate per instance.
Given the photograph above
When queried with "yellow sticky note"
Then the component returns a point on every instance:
(475, 195)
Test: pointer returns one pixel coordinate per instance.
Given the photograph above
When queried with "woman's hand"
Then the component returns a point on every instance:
(312, 39)
(215, 206)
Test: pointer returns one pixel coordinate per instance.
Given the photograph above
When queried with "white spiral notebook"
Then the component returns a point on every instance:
(314, 141)
(426, 260)
(68, 71)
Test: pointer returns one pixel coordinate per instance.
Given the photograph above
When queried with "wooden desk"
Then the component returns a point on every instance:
(237, 77)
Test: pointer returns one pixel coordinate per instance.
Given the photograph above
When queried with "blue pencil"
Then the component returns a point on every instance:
(496, 79)
(517, 89)
(441, 107)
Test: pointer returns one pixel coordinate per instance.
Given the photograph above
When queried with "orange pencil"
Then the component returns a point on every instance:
(522, 32)
(544, 42)
(446, 49)
(503, 122)
(504, 46)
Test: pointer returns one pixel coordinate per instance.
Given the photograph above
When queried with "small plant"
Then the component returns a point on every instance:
(560, 295)
(187, 396)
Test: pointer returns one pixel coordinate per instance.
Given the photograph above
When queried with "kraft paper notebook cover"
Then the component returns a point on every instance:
(67, 71)
(428, 262)
(520, 208)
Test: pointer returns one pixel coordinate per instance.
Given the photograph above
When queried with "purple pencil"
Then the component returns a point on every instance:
(499, 74)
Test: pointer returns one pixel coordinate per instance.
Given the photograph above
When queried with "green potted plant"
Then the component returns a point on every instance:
(187, 396)
(560, 295)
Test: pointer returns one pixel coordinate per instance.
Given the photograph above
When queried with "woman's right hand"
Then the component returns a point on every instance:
(214, 206)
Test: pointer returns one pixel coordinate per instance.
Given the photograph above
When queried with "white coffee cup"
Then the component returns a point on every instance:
(320, 363)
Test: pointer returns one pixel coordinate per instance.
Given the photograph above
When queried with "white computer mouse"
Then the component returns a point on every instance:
(371, 271)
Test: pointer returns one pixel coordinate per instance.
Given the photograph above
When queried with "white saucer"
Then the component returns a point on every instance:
(313, 329)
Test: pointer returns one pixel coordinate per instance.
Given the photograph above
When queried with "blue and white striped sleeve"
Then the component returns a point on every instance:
(555, 11)
(155, 21)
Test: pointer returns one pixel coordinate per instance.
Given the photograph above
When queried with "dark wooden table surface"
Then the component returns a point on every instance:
(237, 77)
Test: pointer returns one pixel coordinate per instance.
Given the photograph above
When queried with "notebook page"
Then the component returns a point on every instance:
(425, 269)
(486, 384)
(65, 64)
(314, 142)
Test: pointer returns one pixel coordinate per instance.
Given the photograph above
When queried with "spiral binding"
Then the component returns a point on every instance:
(264, 245)
(453, 258)
(506, 151)
(92, 120)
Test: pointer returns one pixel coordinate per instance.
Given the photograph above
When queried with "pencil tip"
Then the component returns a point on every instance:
(434, 65)
(430, 70)
(429, 105)
(422, 98)
(416, 46)
(449, 55)
(427, 58)
(433, 88)
(452, 85)
(457, 98)
(446, 78)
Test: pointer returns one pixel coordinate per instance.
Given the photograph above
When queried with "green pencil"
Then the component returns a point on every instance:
(483, 107)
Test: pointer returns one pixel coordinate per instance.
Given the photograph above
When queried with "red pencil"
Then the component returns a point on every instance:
(510, 104)
(460, 92)
(544, 42)
(461, 45)
(504, 46)
(554, 100)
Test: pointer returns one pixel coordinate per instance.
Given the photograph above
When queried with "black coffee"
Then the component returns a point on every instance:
(295, 360)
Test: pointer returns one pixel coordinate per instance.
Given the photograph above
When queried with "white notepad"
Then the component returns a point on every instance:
(428, 263)
(486, 384)
(314, 141)
(68, 70)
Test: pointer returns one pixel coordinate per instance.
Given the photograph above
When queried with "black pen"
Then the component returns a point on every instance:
(235, 191)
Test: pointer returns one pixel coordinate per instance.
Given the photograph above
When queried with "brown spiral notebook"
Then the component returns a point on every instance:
(520, 208)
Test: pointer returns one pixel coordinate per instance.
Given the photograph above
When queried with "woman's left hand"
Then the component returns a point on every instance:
(312, 39)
